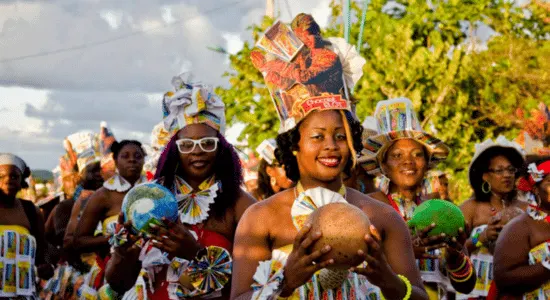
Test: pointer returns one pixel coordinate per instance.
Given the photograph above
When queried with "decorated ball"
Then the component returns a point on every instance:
(147, 204)
(447, 217)
(343, 227)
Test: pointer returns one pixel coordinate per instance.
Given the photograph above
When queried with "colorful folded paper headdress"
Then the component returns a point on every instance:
(396, 119)
(535, 136)
(266, 150)
(106, 139)
(84, 148)
(536, 175)
(305, 72)
(159, 139)
(192, 103)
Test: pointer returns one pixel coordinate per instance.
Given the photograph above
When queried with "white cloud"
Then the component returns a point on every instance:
(121, 81)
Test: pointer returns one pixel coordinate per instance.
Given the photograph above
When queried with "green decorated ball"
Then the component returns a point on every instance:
(447, 217)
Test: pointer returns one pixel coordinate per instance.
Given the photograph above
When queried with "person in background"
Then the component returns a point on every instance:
(22, 232)
(251, 183)
(274, 246)
(104, 207)
(493, 173)
(204, 173)
(404, 153)
(271, 175)
(522, 253)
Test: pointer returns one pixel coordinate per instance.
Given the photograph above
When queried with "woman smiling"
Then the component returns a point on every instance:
(273, 251)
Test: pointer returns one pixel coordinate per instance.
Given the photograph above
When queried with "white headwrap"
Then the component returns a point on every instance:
(14, 160)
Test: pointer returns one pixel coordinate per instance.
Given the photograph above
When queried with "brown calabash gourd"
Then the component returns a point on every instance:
(343, 227)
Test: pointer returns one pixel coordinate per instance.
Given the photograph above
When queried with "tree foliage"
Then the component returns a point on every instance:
(465, 90)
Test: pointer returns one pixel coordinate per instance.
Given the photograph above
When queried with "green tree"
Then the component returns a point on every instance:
(465, 90)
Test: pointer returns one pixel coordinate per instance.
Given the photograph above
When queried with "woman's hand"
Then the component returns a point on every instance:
(423, 244)
(176, 240)
(129, 249)
(377, 270)
(455, 247)
(490, 234)
(300, 266)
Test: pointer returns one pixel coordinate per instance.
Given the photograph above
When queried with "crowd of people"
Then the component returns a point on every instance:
(242, 231)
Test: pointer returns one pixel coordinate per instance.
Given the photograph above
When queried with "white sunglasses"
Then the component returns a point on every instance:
(207, 144)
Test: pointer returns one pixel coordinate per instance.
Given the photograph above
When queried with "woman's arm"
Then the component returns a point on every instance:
(397, 247)
(468, 210)
(94, 212)
(251, 246)
(123, 268)
(513, 274)
(68, 239)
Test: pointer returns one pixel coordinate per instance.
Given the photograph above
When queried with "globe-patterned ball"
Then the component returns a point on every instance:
(147, 204)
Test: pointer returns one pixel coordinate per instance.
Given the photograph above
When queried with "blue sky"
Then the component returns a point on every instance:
(45, 98)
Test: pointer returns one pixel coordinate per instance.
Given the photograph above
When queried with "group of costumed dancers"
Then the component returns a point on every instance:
(285, 239)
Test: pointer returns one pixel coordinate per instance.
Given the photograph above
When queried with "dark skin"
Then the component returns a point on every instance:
(12, 213)
(360, 180)
(91, 181)
(105, 203)
(123, 269)
(478, 213)
(281, 181)
(322, 156)
(405, 164)
(513, 274)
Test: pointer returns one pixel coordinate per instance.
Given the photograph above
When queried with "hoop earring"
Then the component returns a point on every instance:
(485, 189)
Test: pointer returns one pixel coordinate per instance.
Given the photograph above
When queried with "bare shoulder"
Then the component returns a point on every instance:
(244, 201)
(469, 205)
(520, 223)
(379, 196)
(269, 208)
(381, 214)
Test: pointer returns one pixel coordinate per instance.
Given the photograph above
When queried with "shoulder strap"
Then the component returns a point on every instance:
(30, 211)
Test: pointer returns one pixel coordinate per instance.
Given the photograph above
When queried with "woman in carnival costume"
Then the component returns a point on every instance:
(404, 153)
(522, 253)
(317, 145)
(21, 234)
(82, 161)
(192, 258)
(493, 173)
(103, 207)
(272, 176)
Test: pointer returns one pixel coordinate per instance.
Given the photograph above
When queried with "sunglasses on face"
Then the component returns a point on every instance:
(207, 144)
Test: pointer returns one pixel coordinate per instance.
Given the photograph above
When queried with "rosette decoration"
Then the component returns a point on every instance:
(210, 272)
(194, 207)
(269, 276)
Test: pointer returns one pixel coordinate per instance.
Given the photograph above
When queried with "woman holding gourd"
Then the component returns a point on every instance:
(404, 153)
(272, 251)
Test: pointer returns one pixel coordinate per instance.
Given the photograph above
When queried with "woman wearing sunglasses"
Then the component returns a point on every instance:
(203, 171)
(493, 173)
